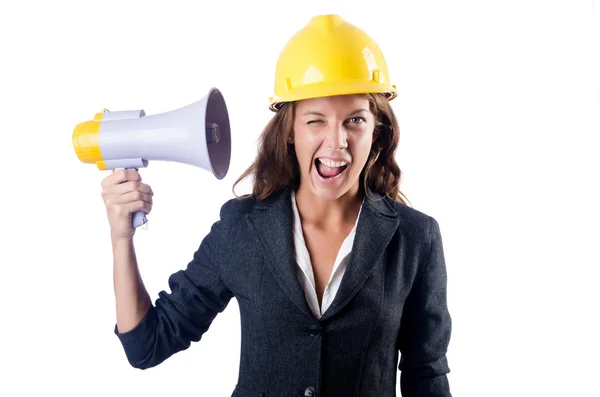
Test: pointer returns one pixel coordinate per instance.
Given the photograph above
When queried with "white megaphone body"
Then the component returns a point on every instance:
(197, 134)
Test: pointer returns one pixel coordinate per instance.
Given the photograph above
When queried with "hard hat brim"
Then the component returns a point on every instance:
(326, 89)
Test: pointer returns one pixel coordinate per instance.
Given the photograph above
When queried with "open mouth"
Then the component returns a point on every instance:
(328, 169)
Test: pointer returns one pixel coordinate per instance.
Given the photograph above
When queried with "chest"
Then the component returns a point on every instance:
(323, 248)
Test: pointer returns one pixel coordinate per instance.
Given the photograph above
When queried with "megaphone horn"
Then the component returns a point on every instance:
(197, 134)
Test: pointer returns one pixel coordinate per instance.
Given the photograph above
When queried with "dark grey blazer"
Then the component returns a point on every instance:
(392, 299)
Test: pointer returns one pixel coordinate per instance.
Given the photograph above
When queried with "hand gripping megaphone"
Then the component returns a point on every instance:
(197, 134)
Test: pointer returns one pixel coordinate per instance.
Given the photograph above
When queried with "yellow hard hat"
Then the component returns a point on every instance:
(330, 56)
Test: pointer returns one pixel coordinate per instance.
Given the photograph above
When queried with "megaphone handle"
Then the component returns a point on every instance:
(138, 218)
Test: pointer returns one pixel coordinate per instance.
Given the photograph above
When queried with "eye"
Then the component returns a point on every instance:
(313, 121)
(358, 120)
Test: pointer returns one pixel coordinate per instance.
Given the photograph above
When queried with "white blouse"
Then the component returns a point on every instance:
(304, 270)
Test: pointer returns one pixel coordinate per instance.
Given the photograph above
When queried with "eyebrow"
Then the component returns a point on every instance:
(315, 113)
(357, 111)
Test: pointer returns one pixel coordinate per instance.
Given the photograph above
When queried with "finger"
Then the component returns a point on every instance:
(126, 187)
(127, 175)
(131, 186)
(130, 197)
(107, 181)
(126, 209)
(139, 205)
(121, 176)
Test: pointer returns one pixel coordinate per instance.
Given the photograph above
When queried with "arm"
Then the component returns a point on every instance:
(132, 299)
(181, 316)
(426, 327)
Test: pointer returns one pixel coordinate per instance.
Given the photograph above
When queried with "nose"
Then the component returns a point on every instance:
(336, 137)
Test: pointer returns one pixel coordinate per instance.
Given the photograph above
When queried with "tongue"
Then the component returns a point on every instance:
(327, 171)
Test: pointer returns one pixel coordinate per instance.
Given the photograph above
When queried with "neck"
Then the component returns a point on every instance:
(329, 214)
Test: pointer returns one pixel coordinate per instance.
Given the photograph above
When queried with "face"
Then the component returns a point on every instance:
(332, 138)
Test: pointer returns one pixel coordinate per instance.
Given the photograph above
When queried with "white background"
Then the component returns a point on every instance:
(499, 111)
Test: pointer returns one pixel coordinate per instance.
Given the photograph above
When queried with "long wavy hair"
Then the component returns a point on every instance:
(276, 165)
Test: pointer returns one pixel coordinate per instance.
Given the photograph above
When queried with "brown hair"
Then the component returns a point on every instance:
(276, 165)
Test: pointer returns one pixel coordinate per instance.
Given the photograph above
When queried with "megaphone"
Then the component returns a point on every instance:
(197, 134)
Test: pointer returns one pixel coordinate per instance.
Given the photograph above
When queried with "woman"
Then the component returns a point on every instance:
(333, 272)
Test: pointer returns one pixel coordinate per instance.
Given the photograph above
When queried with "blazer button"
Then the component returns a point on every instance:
(313, 331)
(309, 392)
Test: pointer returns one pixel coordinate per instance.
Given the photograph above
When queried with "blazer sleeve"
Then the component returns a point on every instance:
(177, 318)
(426, 326)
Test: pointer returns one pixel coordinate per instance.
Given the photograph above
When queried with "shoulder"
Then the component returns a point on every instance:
(422, 224)
(238, 207)
(407, 213)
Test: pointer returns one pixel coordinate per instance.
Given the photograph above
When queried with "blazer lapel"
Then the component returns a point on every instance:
(374, 230)
(272, 221)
